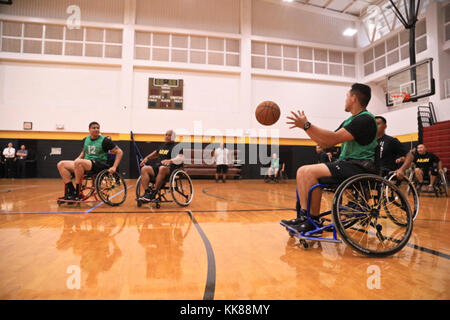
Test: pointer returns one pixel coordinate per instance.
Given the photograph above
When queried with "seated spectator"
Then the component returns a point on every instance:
(274, 168)
(428, 165)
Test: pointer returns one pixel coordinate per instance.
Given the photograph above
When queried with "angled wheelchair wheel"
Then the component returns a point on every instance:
(409, 190)
(369, 221)
(139, 192)
(181, 188)
(111, 188)
(442, 184)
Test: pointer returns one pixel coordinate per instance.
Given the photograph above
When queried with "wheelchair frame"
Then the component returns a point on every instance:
(338, 229)
(94, 189)
(161, 195)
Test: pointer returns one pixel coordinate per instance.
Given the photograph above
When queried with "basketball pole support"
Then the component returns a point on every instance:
(409, 22)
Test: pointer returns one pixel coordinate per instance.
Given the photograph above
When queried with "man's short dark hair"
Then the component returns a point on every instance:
(362, 92)
(381, 118)
(93, 123)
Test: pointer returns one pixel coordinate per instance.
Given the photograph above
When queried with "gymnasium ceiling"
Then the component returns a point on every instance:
(356, 8)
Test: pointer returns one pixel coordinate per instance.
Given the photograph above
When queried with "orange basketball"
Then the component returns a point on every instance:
(267, 113)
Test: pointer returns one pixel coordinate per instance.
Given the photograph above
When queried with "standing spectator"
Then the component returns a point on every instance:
(10, 156)
(21, 157)
(2, 166)
(222, 158)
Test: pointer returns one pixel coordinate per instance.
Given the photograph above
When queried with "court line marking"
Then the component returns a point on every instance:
(227, 199)
(99, 204)
(210, 285)
(150, 212)
(6, 190)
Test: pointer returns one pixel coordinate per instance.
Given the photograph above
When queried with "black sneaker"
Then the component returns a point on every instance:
(148, 196)
(307, 225)
(296, 221)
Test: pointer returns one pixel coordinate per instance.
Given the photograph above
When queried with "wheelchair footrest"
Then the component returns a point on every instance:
(60, 201)
(311, 235)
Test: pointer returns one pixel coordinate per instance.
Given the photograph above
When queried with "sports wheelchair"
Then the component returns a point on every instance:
(180, 187)
(440, 188)
(110, 188)
(369, 213)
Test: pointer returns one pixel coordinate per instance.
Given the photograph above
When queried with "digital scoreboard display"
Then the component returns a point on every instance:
(165, 94)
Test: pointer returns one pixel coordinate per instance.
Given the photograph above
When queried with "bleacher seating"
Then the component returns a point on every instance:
(200, 163)
(437, 140)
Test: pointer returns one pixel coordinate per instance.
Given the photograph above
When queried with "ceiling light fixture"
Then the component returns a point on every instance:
(349, 32)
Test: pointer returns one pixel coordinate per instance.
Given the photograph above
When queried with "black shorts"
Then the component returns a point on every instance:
(343, 169)
(98, 165)
(221, 168)
(157, 165)
(434, 171)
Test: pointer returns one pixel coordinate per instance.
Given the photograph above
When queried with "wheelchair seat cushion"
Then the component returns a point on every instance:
(343, 169)
(331, 180)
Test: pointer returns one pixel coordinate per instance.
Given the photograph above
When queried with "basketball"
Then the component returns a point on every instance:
(267, 113)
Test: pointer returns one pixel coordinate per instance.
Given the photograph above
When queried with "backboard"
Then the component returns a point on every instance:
(416, 81)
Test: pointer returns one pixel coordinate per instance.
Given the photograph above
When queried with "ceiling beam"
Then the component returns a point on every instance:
(348, 6)
(327, 3)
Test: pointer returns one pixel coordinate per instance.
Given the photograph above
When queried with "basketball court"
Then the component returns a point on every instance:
(214, 72)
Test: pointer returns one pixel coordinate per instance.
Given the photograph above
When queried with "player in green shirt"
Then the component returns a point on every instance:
(358, 135)
(93, 157)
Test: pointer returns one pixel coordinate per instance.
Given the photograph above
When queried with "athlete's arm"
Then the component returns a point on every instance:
(81, 156)
(408, 161)
(325, 138)
(152, 155)
(119, 153)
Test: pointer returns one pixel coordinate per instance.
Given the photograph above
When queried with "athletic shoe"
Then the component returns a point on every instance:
(296, 221)
(148, 196)
(307, 225)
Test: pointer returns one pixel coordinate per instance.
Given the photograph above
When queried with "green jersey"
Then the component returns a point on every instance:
(363, 128)
(94, 149)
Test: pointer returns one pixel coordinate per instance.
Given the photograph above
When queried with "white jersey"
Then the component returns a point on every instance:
(222, 156)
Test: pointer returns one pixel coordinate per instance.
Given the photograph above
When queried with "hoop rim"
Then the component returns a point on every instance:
(398, 96)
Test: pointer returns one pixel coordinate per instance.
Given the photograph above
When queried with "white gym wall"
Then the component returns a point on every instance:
(299, 63)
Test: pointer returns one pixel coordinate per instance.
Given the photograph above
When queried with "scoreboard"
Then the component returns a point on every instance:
(165, 94)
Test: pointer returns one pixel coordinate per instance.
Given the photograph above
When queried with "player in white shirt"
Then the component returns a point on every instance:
(10, 156)
(222, 158)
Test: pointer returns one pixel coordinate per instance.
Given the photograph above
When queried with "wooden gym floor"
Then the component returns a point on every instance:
(228, 244)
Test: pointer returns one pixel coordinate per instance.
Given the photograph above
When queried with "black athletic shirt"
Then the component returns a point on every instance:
(425, 161)
(363, 128)
(390, 150)
(166, 150)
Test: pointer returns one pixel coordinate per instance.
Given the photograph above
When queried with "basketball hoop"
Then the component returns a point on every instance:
(399, 97)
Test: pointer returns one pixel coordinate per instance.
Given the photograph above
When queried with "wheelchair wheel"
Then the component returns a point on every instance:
(181, 188)
(87, 187)
(443, 187)
(375, 225)
(111, 188)
(409, 190)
